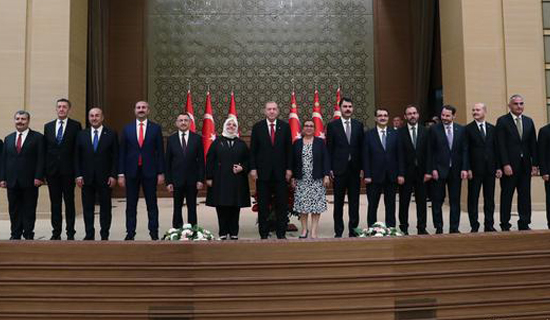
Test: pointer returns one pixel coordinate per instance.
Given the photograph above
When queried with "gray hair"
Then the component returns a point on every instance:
(515, 96)
(22, 112)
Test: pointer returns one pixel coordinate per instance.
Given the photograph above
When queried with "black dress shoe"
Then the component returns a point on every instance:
(70, 237)
(15, 238)
(281, 237)
(55, 238)
(129, 238)
(234, 237)
(490, 229)
(154, 237)
(474, 230)
(263, 237)
(338, 236)
(422, 231)
(223, 238)
(104, 238)
(454, 231)
(505, 229)
(88, 238)
(524, 228)
(304, 237)
(439, 231)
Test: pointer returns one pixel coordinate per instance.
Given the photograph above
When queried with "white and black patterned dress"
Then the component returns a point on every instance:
(310, 194)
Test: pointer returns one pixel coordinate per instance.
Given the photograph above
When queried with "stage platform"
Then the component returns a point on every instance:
(466, 276)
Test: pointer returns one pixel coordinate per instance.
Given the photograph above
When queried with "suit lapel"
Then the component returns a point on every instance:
(513, 126)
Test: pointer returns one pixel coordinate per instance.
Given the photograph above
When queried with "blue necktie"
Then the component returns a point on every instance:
(59, 136)
(96, 140)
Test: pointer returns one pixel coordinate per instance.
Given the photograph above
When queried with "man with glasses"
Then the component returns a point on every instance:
(517, 150)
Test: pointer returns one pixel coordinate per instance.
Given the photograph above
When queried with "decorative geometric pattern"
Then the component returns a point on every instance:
(256, 47)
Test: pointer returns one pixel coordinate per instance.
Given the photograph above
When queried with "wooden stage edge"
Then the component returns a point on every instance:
(468, 276)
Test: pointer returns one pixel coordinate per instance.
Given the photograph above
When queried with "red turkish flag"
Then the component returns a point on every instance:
(293, 119)
(233, 110)
(337, 112)
(317, 116)
(189, 109)
(208, 129)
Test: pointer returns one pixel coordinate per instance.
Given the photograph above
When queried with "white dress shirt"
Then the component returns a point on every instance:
(23, 137)
(269, 126)
(144, 128)
(99, 130)
(186, 137)
(58, 123)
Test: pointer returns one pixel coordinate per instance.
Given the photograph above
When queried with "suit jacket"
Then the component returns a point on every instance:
(521, 154)
(482, 152)
(184, 168)
(340, 150)
(152, 151)
(96, 166)
(21, 169)
(321, 159)
(60, 157)
(415, 160)
(441, 153)
(271, 161)
(544, 150)
(379, 163)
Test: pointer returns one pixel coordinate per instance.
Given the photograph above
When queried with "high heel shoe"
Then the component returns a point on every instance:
(304, 237)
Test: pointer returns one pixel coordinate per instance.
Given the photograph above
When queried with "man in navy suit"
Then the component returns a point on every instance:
(96, 162)
(184, 170)
(271, 168)
(344, 143)
(383, 167)
(22, 172)
(483, 164)
(141, 163)
(449, 166)
(413, 140)
(517, 150)
(60, 137)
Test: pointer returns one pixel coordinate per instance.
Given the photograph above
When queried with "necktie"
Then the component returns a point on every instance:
(19, 141)
(59, 136)
(348, 131)
(384, 139)
(96, 140)
(272, 132)
(140, 142)
(450, 137)
(519, 124)
(482, 129)
(414, 136)
(183, 143)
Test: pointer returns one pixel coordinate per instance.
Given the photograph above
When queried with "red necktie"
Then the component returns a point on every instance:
(140, 142)
(19, 140)
(272, 125)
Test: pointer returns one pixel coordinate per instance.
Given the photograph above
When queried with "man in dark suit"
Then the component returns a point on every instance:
(141, 163)
(544, 164)
(449, 166)
(481, 140)
(271, 168)
(184, 170)
(413, 141)
(383, 167)
(22, 172)
(517, 151)
(96, 161)
(60, 137)
(344, 143)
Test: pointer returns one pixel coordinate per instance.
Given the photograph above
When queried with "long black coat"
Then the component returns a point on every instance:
(228, 189)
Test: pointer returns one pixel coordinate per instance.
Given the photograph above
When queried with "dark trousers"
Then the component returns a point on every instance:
(22, 207)
(189, 192)
(547, 188)
(132, 196)
(89, 193)
(405, 191)
(522, 182)
(374, 191)
(228, 220)
(61, 188)
(453, 184)
(266, 190)
(474, 189)
(349, 182)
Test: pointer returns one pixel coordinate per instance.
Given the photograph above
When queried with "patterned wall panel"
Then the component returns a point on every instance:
(256, 47)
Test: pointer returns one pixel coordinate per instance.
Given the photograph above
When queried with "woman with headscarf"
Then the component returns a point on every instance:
(311, 169)
(227, 166)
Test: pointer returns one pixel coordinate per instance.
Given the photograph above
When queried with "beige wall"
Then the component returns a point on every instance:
(42, 58)
(490, 50)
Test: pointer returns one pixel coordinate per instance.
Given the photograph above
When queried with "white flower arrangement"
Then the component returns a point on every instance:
(379, 229)
(188, 233)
